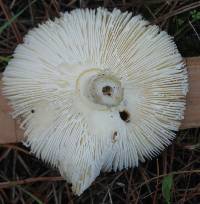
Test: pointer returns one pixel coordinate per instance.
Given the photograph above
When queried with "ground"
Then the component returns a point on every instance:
(173, 177)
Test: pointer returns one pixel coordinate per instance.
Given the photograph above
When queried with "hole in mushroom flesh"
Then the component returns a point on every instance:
(125, 116)
(114, 137)
(107, 90)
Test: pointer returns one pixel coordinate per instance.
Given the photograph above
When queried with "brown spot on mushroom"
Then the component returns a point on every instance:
(81, 141)
(107, 90)
(88, 173)
(114, 137)
(125, 116)
(81, 177)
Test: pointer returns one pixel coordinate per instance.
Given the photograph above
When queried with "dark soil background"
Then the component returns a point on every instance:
(173, 177)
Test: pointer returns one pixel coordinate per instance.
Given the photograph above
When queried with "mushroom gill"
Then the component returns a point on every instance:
(97, 91)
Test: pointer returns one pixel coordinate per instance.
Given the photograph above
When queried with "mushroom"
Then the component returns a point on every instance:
(96, 91)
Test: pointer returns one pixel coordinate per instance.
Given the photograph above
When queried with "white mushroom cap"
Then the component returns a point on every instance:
(97, 90)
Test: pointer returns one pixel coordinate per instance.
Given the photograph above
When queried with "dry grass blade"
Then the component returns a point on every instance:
(178, 11)
(9, 184)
